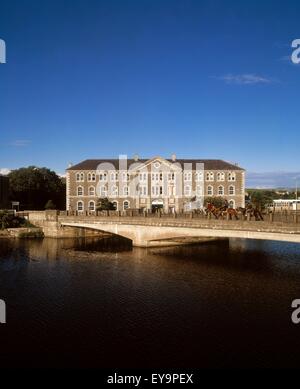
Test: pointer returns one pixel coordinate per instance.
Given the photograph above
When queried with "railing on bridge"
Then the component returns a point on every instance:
(280, 216)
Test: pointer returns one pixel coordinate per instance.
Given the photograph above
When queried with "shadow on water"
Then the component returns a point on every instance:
(105, 244)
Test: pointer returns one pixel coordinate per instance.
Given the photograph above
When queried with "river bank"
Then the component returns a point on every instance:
(22, 232)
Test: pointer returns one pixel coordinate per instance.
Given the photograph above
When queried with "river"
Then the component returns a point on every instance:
(91, 303)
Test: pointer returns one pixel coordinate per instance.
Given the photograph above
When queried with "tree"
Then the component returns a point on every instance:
(33, 186)
(215, 201)
(262, 197)
(105, 205)
(50, 205)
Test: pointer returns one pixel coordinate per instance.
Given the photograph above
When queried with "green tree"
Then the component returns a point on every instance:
(215, 201)
(33, 186)
(105, 205)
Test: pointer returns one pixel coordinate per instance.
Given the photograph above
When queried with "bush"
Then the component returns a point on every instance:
(9, 220)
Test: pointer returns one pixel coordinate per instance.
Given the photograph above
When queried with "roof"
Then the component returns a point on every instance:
(209, 164)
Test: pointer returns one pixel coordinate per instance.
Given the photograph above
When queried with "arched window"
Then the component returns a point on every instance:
(91, 177)
(221, 176)
(80, 191)
(80, 206)
(231, 190)
(209, 176)
(187, 190)
(232, 204)
(114, 191)
(210, 190)
(91, 191)
(126, 191)
(231, 176)
(221, 190)
(91, 205)
(103, 191)
(115, 203)
(126, 205)
(199, 176)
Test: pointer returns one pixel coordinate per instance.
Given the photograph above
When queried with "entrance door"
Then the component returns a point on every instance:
(157, 205)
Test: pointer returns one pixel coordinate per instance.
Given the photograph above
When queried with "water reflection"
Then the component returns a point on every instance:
(91, 302)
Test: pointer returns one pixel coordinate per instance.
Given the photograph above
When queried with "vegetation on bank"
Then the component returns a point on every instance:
(36, 233)
(9, 220)
(37, 188)
(264, 197)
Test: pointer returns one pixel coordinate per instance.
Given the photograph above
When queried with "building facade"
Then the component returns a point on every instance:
(146, 184)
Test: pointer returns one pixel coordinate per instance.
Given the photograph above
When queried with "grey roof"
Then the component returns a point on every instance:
(209, 164)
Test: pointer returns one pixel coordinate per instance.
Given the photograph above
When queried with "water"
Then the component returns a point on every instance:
(87, 303)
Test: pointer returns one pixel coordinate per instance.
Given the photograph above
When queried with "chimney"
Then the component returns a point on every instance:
(173, 157)
(136, 157)
(70, 164)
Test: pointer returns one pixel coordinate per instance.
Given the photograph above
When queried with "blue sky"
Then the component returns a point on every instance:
(206, 79)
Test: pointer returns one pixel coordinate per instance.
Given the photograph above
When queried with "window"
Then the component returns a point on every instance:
(91, 206)
(232, 204)
(221, 190)
(209, 176)
(210, 190)
(115, 204)
(79, 177)
(231, 190)
(221, 176)
(103, 191)
(125, 177)
(91, 177)
(157, 190)
(114, 191)
(80, 206)
(171, 176)
(155, 176)
(143, 177)
(91, 191)
(231, 176)
(126, 191)
(80, 191)
(199, 190)
(114, 177)
(143, 190)
(199, 176)
(171, 191)
(126, 205)
(188, 176)
(187, 190)
(103, 177)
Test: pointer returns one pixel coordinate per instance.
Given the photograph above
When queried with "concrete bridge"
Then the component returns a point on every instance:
(158, 231)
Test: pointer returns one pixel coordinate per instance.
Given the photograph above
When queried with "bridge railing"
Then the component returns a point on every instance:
(285, 216)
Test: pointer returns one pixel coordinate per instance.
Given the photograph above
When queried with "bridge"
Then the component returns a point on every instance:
(158, 230)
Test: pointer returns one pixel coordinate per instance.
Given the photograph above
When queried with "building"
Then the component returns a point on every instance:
(4, 189)
(286, 204)
(145, 184)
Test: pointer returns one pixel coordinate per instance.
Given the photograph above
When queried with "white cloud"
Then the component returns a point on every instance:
(4, 171)
(244, 79)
